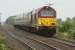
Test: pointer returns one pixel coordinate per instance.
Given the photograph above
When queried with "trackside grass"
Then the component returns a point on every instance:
(2, 42)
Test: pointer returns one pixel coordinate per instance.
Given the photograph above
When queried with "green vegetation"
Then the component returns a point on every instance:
(11, 20)
(66, 29)
(2, 45)
(2, 41)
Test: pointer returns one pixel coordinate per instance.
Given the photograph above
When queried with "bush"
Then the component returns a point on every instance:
(72, 33)
(2, 45)
(67, 26)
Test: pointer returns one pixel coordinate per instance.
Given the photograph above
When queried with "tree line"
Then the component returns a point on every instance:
(66, 28)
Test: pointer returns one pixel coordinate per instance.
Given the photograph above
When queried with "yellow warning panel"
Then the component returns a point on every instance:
(46, 21)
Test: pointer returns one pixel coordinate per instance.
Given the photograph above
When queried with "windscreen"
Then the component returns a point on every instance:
(47, 13)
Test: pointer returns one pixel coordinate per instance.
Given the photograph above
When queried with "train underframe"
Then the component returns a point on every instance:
(47, 31)
(42, 30)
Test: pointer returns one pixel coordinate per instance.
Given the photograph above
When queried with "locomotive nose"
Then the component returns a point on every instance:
(46, 22)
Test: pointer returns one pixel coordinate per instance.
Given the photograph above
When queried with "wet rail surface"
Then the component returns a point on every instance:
(48, 41)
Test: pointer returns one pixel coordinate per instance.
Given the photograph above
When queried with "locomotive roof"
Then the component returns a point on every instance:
(39, 9)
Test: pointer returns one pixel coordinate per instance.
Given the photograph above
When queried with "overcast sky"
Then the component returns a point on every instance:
(64, 8)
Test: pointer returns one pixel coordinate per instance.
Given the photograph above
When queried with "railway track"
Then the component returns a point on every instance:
(70, 43)
(66, 40)
(48, 41)
(34, 44)
(15, 44)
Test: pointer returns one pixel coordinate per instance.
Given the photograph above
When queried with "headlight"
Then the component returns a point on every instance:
(39, 22)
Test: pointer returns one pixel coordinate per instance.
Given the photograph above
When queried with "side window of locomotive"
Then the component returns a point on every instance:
(47, 13)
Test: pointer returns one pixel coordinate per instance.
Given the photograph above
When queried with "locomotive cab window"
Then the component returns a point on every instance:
(47, 13)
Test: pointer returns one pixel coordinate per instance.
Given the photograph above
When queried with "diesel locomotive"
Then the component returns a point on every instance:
(42, 19)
